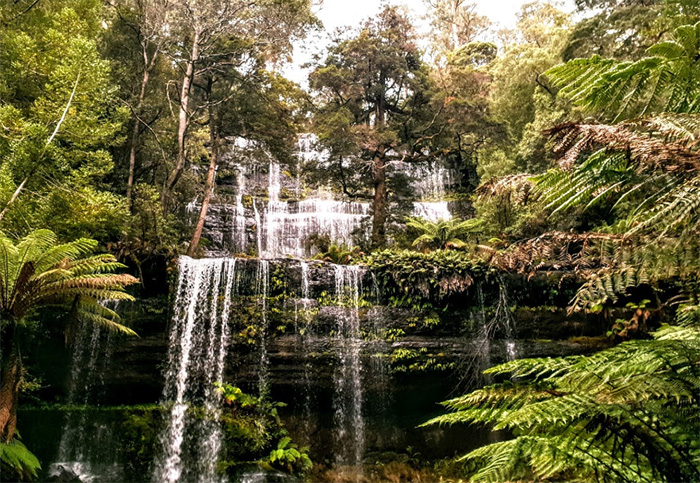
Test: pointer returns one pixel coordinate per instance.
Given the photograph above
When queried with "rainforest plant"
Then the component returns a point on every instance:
(443, 234)
(626, 414)
(424, 280)
(37, 272)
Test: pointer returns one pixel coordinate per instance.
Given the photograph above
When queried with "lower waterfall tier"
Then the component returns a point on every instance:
(357, 377)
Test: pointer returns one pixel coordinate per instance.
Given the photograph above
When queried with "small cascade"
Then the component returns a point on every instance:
(258, 230)
(433, 211)
(262, 287)
(239, 221)
(288, 225)
(430, 182)
(349, 423)
(305, 335)
(199, 338)
(506, 321)
(82, 438)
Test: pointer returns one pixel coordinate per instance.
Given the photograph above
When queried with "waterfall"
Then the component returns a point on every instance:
(433, 211)
(258, 230)
(240, 239)
(81, 439)
(262, 284)
(198, 342)
(350, 433)
(506, 321)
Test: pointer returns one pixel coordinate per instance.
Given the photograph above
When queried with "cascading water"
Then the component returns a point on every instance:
(432, 210)
(262, 287)
(350, 426)
(92, 349)
(198, 343)
(288, 225)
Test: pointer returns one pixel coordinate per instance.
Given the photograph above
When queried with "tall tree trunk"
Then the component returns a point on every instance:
(209, 187)
(147, 66)
(379, 175)
(9, 391)
(37, 163)
(379, 204)
(183, 120)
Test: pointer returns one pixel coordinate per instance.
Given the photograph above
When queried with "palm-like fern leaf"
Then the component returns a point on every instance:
(629, 413)
(38, 270)
(666, 81)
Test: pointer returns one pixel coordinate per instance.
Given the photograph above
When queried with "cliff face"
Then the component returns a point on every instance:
(302, 331)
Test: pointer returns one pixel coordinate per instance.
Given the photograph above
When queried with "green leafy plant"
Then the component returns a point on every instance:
(290, 457)
(424, 280)
(38, 271)
(443, 234)
(16, 459)
(340, 254)
(625, 414)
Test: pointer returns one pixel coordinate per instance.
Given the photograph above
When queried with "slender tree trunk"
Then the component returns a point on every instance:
(209, 187)
(183, 120)
(379, 204)
(147, 66)
(379, 175)
(37, 163)
(9, 391)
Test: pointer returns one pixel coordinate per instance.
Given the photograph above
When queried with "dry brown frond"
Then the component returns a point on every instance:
(557, 251)
(642, 148)
(518, 186)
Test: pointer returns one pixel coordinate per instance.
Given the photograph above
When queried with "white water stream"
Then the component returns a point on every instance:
(198, 345)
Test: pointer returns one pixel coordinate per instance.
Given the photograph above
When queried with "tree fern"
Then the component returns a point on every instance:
(443, 234)
(38, 271)
(629, 413)
(666, 81)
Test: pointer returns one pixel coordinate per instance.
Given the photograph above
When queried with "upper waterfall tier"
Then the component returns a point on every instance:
(266, 209)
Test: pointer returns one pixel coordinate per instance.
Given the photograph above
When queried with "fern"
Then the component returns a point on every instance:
(628, 414)
(17, 460)
(38, 270)
(443, 234)
(666, 81)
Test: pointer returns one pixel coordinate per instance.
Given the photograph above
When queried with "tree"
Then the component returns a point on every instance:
(36, 272)
(461, 96)
(244, 100)
(60, 118)
(374, 110)
(519, 97)
(146, 22)
(455, 23)
(626, 29)
(265, 26)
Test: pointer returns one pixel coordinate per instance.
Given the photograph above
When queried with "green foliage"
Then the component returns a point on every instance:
(289, 456)
(234, 396)
(405, 360)
(17, 461)
(50, 65)
(252, 427)
(629, 413)
(662, 82)
(38, 270)
(443, 234)
(424, 280)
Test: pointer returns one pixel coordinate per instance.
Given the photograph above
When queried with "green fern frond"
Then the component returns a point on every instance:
(16, 460)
